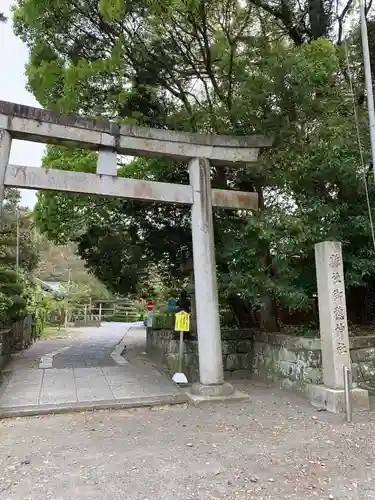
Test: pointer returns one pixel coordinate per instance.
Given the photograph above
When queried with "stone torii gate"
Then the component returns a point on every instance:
(110, 139)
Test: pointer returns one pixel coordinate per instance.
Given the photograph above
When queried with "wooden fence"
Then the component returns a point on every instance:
(93, 313)
(15, 338)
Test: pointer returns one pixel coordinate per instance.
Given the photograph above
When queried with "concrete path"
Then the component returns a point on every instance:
(81, 372)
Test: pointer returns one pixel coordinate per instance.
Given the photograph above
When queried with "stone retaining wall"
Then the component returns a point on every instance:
(236, 345)
(295, 361)
(298, 360)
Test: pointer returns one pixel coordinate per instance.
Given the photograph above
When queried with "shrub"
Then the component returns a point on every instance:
(163, 321)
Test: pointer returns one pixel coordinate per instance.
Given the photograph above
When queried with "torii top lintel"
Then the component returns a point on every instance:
(39, 125)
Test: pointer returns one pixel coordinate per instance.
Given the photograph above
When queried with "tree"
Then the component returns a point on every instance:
(62, 263)
(15, 215)
(216, 67)
(15, 287)
(118, 240)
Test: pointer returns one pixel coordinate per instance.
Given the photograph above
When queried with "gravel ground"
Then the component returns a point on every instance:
(275, 447)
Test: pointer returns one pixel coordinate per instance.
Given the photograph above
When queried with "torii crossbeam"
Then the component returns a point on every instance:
(110, 139)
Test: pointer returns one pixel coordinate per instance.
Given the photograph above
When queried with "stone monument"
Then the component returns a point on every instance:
(334, 335)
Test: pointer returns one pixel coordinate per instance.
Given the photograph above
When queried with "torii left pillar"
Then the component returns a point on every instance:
(211, 374)
(5, 145)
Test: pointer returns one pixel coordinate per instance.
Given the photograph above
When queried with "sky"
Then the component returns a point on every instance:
(13, 57)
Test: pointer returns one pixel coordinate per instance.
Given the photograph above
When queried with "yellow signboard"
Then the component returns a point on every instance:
(182, 322)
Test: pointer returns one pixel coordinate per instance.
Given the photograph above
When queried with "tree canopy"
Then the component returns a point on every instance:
(15, 286)
(223, 66)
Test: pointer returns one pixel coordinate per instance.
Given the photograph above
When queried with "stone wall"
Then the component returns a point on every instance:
(295, 361)
(362, 351)
(163, 345)
(236, 345)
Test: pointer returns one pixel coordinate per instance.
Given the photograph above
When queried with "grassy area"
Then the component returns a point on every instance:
(53, 332)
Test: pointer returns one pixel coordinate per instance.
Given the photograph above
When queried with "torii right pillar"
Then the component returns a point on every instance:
(212, 386)
(334, 336)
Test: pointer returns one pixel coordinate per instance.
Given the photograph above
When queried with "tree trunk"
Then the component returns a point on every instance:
(268, 315)
(268, 312)
(242, 311)
(319, 21)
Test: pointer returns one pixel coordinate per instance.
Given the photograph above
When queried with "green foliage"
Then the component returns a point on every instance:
(80, 292)
(123, 317)
(215, 67)
(118, 239)
(16, 290)
(112, 10)
(41, 306)
(163, 321)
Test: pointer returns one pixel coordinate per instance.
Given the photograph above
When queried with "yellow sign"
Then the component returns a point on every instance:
(182, 322)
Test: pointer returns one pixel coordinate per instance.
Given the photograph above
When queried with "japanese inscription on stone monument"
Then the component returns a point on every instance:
(339, 308)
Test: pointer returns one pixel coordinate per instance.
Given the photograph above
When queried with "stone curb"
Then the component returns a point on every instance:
(46, 361)
(236, 397)
(29, 411)
(116, 354)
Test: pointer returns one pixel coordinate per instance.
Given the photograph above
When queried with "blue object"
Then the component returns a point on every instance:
(172, 305)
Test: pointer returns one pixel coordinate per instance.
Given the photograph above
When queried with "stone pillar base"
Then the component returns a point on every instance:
(221, 393)
(333, 400)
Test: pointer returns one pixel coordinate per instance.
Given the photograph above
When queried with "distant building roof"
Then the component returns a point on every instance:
(52, 287)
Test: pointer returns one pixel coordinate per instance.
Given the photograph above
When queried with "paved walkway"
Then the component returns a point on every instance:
(82, 370)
